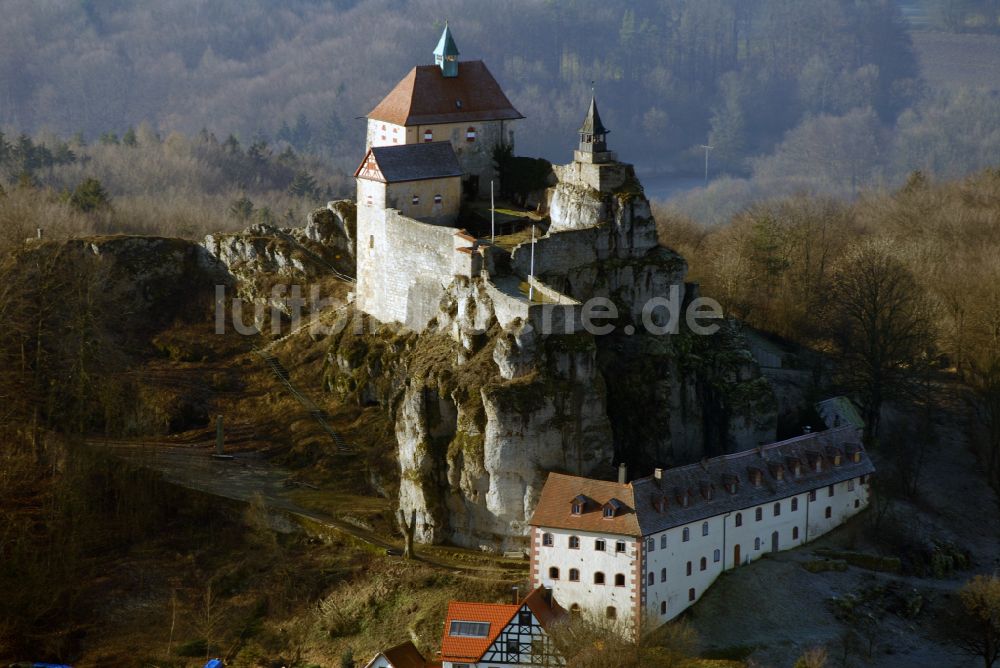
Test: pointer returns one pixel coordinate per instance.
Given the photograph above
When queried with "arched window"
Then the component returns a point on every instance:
(619, 579)
(663, 575)
(650, 544)
(739, 519)
(428, 135)
(795, 504)
(829, 512)
(759, 514)
(574, 575)
(756, 543)
(611, 613)
(704, 563)
(470, 134)
(691, 594)
(704, 528)
(554, 573)
(651, 579)
(663, 607)
(547, 539)
(689, 568)
(717, 556)
(416, 199)
(795, 533)
(663, 542)
(574, 542)
(777, 508)
(598, 578)
(686, 536)
(438, 199)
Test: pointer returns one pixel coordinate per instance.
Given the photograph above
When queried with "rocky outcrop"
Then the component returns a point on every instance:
(264, 256)
(486, 401)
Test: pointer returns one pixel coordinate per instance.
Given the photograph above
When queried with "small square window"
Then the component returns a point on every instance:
(599, 545)
(620, 547)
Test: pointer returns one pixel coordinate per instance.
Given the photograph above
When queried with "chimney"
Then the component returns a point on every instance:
(807, 429)
(547, 596)
(658, 474)
(622, 474)
(517, 594)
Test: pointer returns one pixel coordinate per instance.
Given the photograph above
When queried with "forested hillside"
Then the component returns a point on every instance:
(669, 74)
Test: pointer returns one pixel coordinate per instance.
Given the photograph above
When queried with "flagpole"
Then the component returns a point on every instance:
(531, 270)
(493, 215)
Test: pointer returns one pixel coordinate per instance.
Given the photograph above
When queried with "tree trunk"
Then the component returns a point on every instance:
(407, 530)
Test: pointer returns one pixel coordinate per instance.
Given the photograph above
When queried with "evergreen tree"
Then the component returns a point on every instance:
(89, 195)
(4, 149)
(285, 133)
(241, 208)
(232, 145)
(259, 153)
(78, 140)
(110, 138)
(303, 185)
(302, 133)
(129, 138)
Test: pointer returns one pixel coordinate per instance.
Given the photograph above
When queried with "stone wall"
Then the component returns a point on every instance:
(404, 266)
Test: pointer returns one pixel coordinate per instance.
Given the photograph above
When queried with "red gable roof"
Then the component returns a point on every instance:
(464, 648)
(426, 97)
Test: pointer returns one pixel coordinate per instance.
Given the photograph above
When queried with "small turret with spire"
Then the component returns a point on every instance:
(446, 53)
(594, 137)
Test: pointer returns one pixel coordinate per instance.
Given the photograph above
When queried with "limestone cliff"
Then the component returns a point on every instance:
(486, 401)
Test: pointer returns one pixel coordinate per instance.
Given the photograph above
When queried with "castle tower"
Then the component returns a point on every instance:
(594, 138)
(442, 103)
(446, 53)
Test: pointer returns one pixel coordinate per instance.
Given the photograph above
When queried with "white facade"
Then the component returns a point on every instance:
(590, 596)
(667, 571)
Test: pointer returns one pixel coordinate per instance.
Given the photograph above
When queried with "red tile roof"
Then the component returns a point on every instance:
(469, 650)
(554, 505)
(464, 649)
(427, 97)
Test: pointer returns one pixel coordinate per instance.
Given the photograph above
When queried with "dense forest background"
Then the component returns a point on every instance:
(819, 94)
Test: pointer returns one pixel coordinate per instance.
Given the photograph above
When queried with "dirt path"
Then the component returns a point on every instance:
(248, 475)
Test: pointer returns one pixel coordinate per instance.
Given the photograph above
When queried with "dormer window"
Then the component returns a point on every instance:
(835, 455)
(611, 508)
(428, 135)
(816, 462)
(579, 505)
(415, 200)
(707, 490)
(778, 472)
(662, 503)
(577, 508)
(684, 498)
(731, 483)
(470, 134)
(795, 466)
(756, 477)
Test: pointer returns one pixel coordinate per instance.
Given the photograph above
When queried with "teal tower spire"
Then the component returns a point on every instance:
(446, 53)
